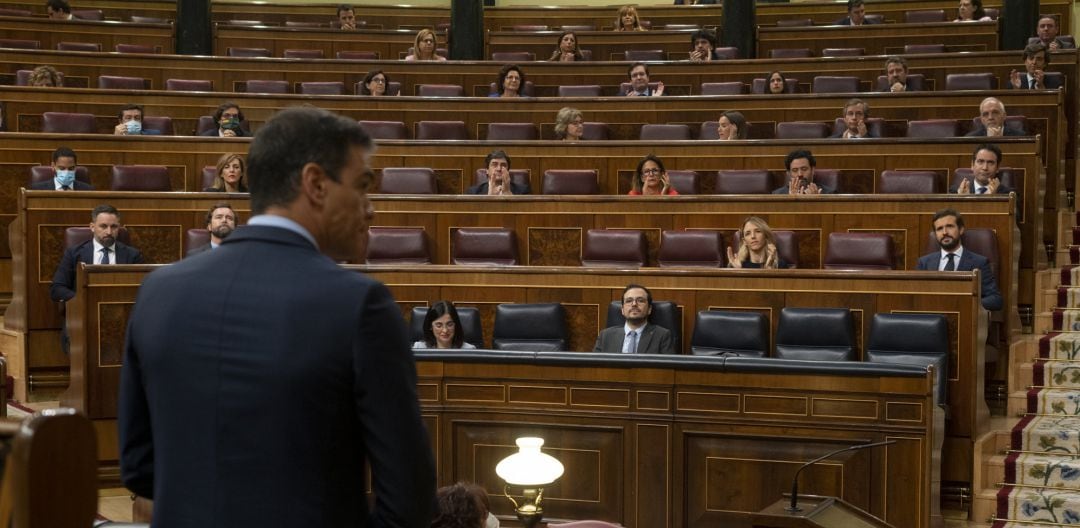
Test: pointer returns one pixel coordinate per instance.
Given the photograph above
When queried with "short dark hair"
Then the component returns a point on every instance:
(367, 79)
(132, 106)
(215, 207)
(635, 65)
(1034, 48)
(648, 294)
(856, 101)
(437, 310)
(798, 154)
(979, 11)
(344, 7)
(225, 106)
(291, 139)
(64, 152)
(949, 211)
(639, 179)
(895, 59)
(742, 129)
(460, 504)
(103, 209)
(496, 154)
(58, 5)
(502, 77)
(987, 146)
(852, 4)
(706, 34)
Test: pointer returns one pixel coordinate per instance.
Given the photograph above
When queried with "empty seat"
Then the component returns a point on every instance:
(570, 182)
(519, 177)
(397, 245)
(747, 181)
(907, 182)
(614, 248)
(875, 126)
(933, 128)
(664, 132)
(484, 246)
(195, 239)
(79, 46)
(586, 90)
(859, 251)
(644, 55)
(822, 334)
(971, 81)
(385, 129)
(723, 88)
(441, 130)
(827, 177)
(916, 82)
(408, 180)
(247, 52)
(303, 54)
(513, 56)
(358, 55)
(911, 49)
(140, 178)
(440, 90)
(685, 181)
(266, 86)
(719, 333)
(787, 245)
(20, 44)
(757, 86)
(148, 20)
(470, 324)
(88, 14)
(322, 88)
(512, 131)
(695, 248)
(189, 85)
(136, 48)
(306, 24)
(530, 327)
(68, 123)
(6, 11)
(665, 314)
(843, 52)
(112, 82)
(209, 172)
(912, 339)
(790, 53)
(801, 130)
(162, 124)
(726, 53)
(40, 173)
(923, 16)
(596, 132)
(835, 84)
(794, 22)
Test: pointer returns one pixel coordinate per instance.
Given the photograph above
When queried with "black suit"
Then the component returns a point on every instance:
(483, 189)
(1002, 189)
(1050, 82)
(1008, 131)
(258, 382)
(50, 185)
(786, 190)
(201, 249)
(654, 339)
(846, 21)
(63, 283)
(970, 260)
(214, 132)
(839, 134)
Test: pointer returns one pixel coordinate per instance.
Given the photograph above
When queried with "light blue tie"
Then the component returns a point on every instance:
(632, 347)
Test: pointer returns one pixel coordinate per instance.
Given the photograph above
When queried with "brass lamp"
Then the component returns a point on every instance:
(530, 470)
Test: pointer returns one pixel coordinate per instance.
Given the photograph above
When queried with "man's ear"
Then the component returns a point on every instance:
(313, 180)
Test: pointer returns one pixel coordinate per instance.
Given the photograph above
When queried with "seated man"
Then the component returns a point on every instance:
(703, 42)
(63, 166)
(948, 228)
(896, 75)
(346, 17)
(855, 113)
(1036, 58)
(856, 10)
(985, 162)
(800, 166)
(220, 222)
(639, 81)
(636, 336)
(58, 10)
(1048, 34)
(992, 118)
(228, 117)
(131, 117)
(498, 177)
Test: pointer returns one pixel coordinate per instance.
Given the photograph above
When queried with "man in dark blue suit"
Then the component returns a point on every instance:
(64, 169)
(948, 229)
(261, 378)
(1036, 59)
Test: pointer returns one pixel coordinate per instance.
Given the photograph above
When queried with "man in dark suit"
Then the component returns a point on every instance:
(64, 168)
(856, 10)
(800, 165)
(229, 119)
(896, 76)
(261, 378)
(1036, 59)
(985, 162)
(131, 121)
(855, 113)
(992, 120)
(948, 229)
(1048, 34)
(220, 222)
(498, 177)
(639, 82)
(636, 336)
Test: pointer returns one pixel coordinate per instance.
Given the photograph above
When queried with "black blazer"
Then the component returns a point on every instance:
(50, 185)
(824, 190)
(1009, 131)
(213, 132)
(244, 405)
(482, 188)
(839, 134)
(1051, 83)
(1002, 189)
(654, 339)
(63, 283)
(970, 260)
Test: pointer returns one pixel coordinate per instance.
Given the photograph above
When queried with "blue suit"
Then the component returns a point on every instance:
(63, 283)
(259, 380)
(969, 260)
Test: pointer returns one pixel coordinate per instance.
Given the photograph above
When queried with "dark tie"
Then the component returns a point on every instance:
(104, 256)
(982, 190)
(951, 264)
(65, 188)
(632, 348)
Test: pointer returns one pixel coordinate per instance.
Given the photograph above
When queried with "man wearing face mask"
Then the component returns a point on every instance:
(63, 166)
(131, 118)
(228, 117)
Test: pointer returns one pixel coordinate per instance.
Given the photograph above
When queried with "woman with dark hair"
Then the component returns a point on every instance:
(462, 505)
(650, 179)
(442, 328)
(567, 49)
(511, 82)
(732, 125)
(758, 247)
(776, 83)
(971, 11)
(375, 83)
(231, 176)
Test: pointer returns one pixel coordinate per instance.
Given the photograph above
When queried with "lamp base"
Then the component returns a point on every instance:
(529, 519)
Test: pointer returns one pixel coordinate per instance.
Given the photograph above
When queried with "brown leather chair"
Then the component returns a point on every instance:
(195, 238)
(596, 132)
(140, 178)
(614, 248)
(189, 85)
(519, 177)
(924, 16)
(6, 11)
(757, 86)
(386, 129)
(528, 90)
(570, 182)
(303, 54)
(40, 173)
(20, 44)
(512, 131)
(907, 182)
(685, 181)
(624, 88)
(88, 14)
(408, 180)
(209, 173)
(696, 248)
(397, 245)
(357, 55)
(583, 90)
(790, 53)
(874, 126)
(513, 56)
(148, 20)
(136, 48)
(827, 177)
(79, 46)
(1017, 122)
(528, 28)
(723, 88)
(726, 53)
(266, 86)
(484, 246)
(794, 22)
(912, 49)
(933, 128)
(162, 124)
(69, 123)
(644, 55)
(248, 52)
(577, 27)
(112, 82)
(843, 52)
(747, 181)
(322, 88)
(802, 130)
(835, 84)
(440, 90)
(859, 251)
(915, 81)
(441, 130)
(665, 132)
(971, 81)
(787, 245)
(709, 130)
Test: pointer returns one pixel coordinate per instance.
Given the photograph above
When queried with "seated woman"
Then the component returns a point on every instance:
(776, 84)
(732, 125)
(442, 328)
(511, 82)
(569, 124)
(463, 505)
(231, 176)
(758, 248)
(628, 19)
(567, 49)
(375, 83)
(651, 179)
(46, 76)
(424, 47)
(971, 11)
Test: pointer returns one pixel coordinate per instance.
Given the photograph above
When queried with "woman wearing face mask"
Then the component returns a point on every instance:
(651, 179)
(442, 328)
(231, 176)
(228, 118)
(758, 247)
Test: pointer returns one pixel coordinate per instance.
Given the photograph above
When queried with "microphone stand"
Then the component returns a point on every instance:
(795, 481)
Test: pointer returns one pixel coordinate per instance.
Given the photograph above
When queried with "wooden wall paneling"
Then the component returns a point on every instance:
(108, 34)
(387, 42)
(879, 39)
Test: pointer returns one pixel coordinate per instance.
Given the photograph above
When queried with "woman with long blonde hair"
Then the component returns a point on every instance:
(424, 47)
(758, 247)
(231, 175)
(628, 19)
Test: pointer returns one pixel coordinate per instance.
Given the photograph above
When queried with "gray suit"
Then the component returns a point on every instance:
(654, 339)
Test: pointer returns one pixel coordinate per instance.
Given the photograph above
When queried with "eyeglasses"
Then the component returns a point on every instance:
(635, 300)
(230, 116)
(651, 171)
(379, 80)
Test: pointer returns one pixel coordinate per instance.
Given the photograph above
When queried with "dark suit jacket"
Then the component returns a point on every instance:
(201, 249)
(50, 185)
(1052, 83)
(1002, 189)
(840, 134)
(1009, 131)
(213, 132)
(483, 189)
(907, 87)
(846, 21)
(654, 339)
(969, 260)
(824, 190)
(63, 282)
(248, 406)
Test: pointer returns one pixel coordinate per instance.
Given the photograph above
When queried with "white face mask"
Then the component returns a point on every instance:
(492, 521)
(134, 126)
(65, 177)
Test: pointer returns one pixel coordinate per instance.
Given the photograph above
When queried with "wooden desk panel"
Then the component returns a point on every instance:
(108, 34)
(113, 9)
(388, 43)
(387, 16)
(879, 39)
(605, 45)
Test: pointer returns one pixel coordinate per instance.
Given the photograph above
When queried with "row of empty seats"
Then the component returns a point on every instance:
(122, 177)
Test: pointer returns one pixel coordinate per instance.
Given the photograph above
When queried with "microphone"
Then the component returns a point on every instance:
(795, 481)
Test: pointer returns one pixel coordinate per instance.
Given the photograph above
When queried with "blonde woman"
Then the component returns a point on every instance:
(628, 19)
(758, 247)
(569, 124)
(424, 47)
(231, 176)
(651, 179)
(46, 76)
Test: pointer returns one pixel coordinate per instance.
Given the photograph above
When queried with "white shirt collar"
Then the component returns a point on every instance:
(97, 252)
(959, 252)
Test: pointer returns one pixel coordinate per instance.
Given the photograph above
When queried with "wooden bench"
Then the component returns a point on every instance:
(388, 43)
(108, 34)
(879, 39)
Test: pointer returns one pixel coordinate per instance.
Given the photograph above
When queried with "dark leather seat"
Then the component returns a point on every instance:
(209, 172)
(1017, 122)
(149, 20)
(581, 90)
(140, 178)
(794, 22)
(790, 53)
(94, 47)
(971, 81)
(915, 81)
(322, 88)
(923, 16)
(787, 244)
(527, 28)
(113, 82)
(484, 246)
(266, 86)
(614, 248)
(907, 182)
(195, 238)
(596, 132)
(644, 55)
(664, 313)
(843, 52)
(357, 55)
(726, 52)
(802, 130)
(386, 129)
(303, 54)
(440, 90)
(692, 248)
(933, 128)
(519, 177)
(685, 181)
(20, 44)
(570, 182)
(859, 251)
(40, 173)
(530, 327)
(815, 334)
(743, 181)
(719, 333)
(577, 27)
(162, 124)
(528, 90)
(835, 84)
(248, 52)
(513, 56)
(912, 339)
(827, 178)
(757, 86)
(723, 88)
(624, 88)
(471, 328)
(189, 85)
(441, 130)
(665, 132)
(398, 245)
(69, 123)
(136, 48)
(74, 236)
(1066, 38)
(512, 131)
(408, 180)
(912, 49)
(305, 24)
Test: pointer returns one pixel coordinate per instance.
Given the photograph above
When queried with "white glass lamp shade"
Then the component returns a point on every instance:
(529, 467)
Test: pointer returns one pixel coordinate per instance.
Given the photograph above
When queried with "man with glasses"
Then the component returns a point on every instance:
(636, 336)
(228, 118)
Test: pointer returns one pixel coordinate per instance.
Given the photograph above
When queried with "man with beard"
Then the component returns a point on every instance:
(220, 222)
(636, 336)
(896, 76)
(949, 229)
(800, 165)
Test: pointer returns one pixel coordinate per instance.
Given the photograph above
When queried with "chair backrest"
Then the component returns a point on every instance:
(40, 173)
(726, 53)
(614, 248)
(1065, 38)
(386, 129)
(757, 86)
(440, 90)
(149, 20)
(723, 88)
(794, 22)
(189, 85)
(529, 27)
(843, 52)
(581, 90)
(531, 327)
(470, 322)
(911, 49)
(209, 173)
(1017, 122)
(874, 125)
(88, 14)
(695, 248)
(68, 123)
(971, 81)
(835, 84)
(162, 124)
(266, 86)
(912, 339)
(827, 178)
(644, 55)
(577, 27)
(441, 130)
(916, 82)
(596, 131)
(685, 181)
(519, 177)
(303, 54)
(484, 246)
(787, 245)
(512, 131)
(978, 239)
(112, 82)
(239, 22)
(397, 245)
(20, 44)
(528, 90)
(859, 251)
(624, 88)
(720, 333)
(582, 181)
(305, 24)
(933, 128)
(826, 334)
(194, 239)
(513, 56)
(140, 178)
(790, 53)
(357, 55)
(247, 52)
(7, 11)
(923, 16)
(322, 88)
(74, 236)
(1005, 174)
(802, 130)
(136, 48)
(743, 181)
(664, 313)
(664, 132)
(907, 182)
(408, 180)
(79, 46)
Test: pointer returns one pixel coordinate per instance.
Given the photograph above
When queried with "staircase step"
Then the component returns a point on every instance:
(1044, 323)
(983, 506)
(1018, 403)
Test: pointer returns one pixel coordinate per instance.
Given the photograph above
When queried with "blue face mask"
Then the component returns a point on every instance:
(134, 127)
(65, 177)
